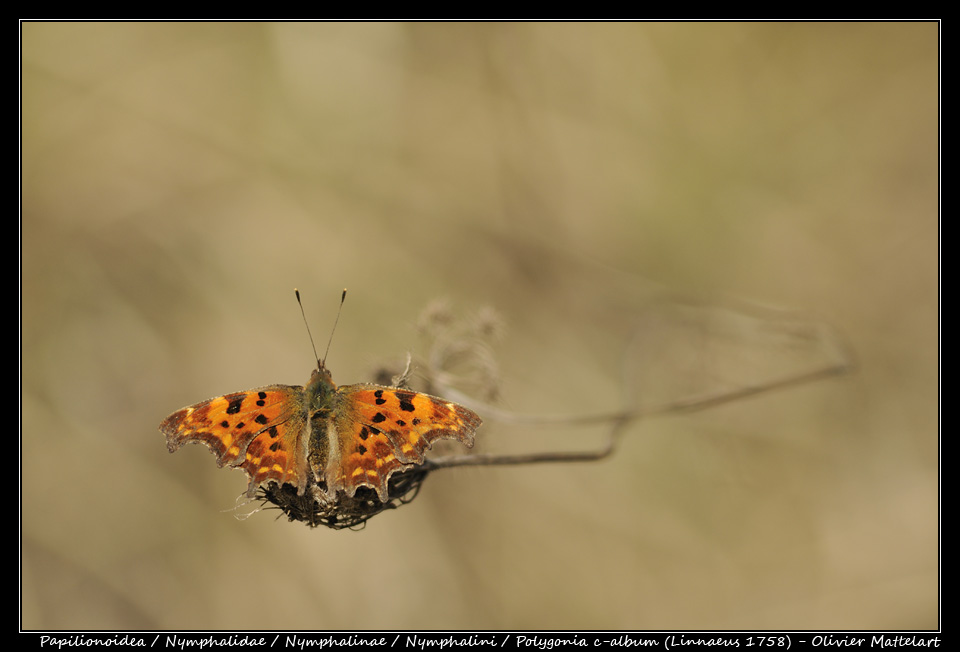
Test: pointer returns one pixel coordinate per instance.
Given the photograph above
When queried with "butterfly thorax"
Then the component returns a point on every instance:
(321, 393)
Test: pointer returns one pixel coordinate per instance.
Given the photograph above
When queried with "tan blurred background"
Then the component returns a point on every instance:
(179, 180)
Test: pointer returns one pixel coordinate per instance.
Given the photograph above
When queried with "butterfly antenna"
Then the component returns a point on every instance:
(305, 323)
(334, 329)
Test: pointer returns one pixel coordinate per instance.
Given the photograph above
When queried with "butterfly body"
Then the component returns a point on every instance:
(334, 438)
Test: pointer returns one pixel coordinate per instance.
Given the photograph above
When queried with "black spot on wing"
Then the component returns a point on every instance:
(406, 401)
(235, 403)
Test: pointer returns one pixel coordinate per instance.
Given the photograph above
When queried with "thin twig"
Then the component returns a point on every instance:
(621, 419)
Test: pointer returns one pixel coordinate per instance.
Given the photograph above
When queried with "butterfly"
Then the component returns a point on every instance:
(336, 438)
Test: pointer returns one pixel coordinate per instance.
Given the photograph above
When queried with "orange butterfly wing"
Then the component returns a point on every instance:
(351, 436)
(260, 431)
(384, 429)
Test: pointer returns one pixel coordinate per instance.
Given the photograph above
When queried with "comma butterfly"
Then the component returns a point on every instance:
(337, 439)
(341, 438)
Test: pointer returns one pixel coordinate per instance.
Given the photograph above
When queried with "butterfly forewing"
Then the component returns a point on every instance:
(258, 431)
(411, 420)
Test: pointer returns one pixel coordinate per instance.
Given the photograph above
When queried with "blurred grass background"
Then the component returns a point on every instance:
(180, 179)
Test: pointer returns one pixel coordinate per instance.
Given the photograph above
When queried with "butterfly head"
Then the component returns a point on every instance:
(321, 376)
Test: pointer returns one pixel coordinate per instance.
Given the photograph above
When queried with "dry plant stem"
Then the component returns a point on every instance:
(620, 420)
(532, 458)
